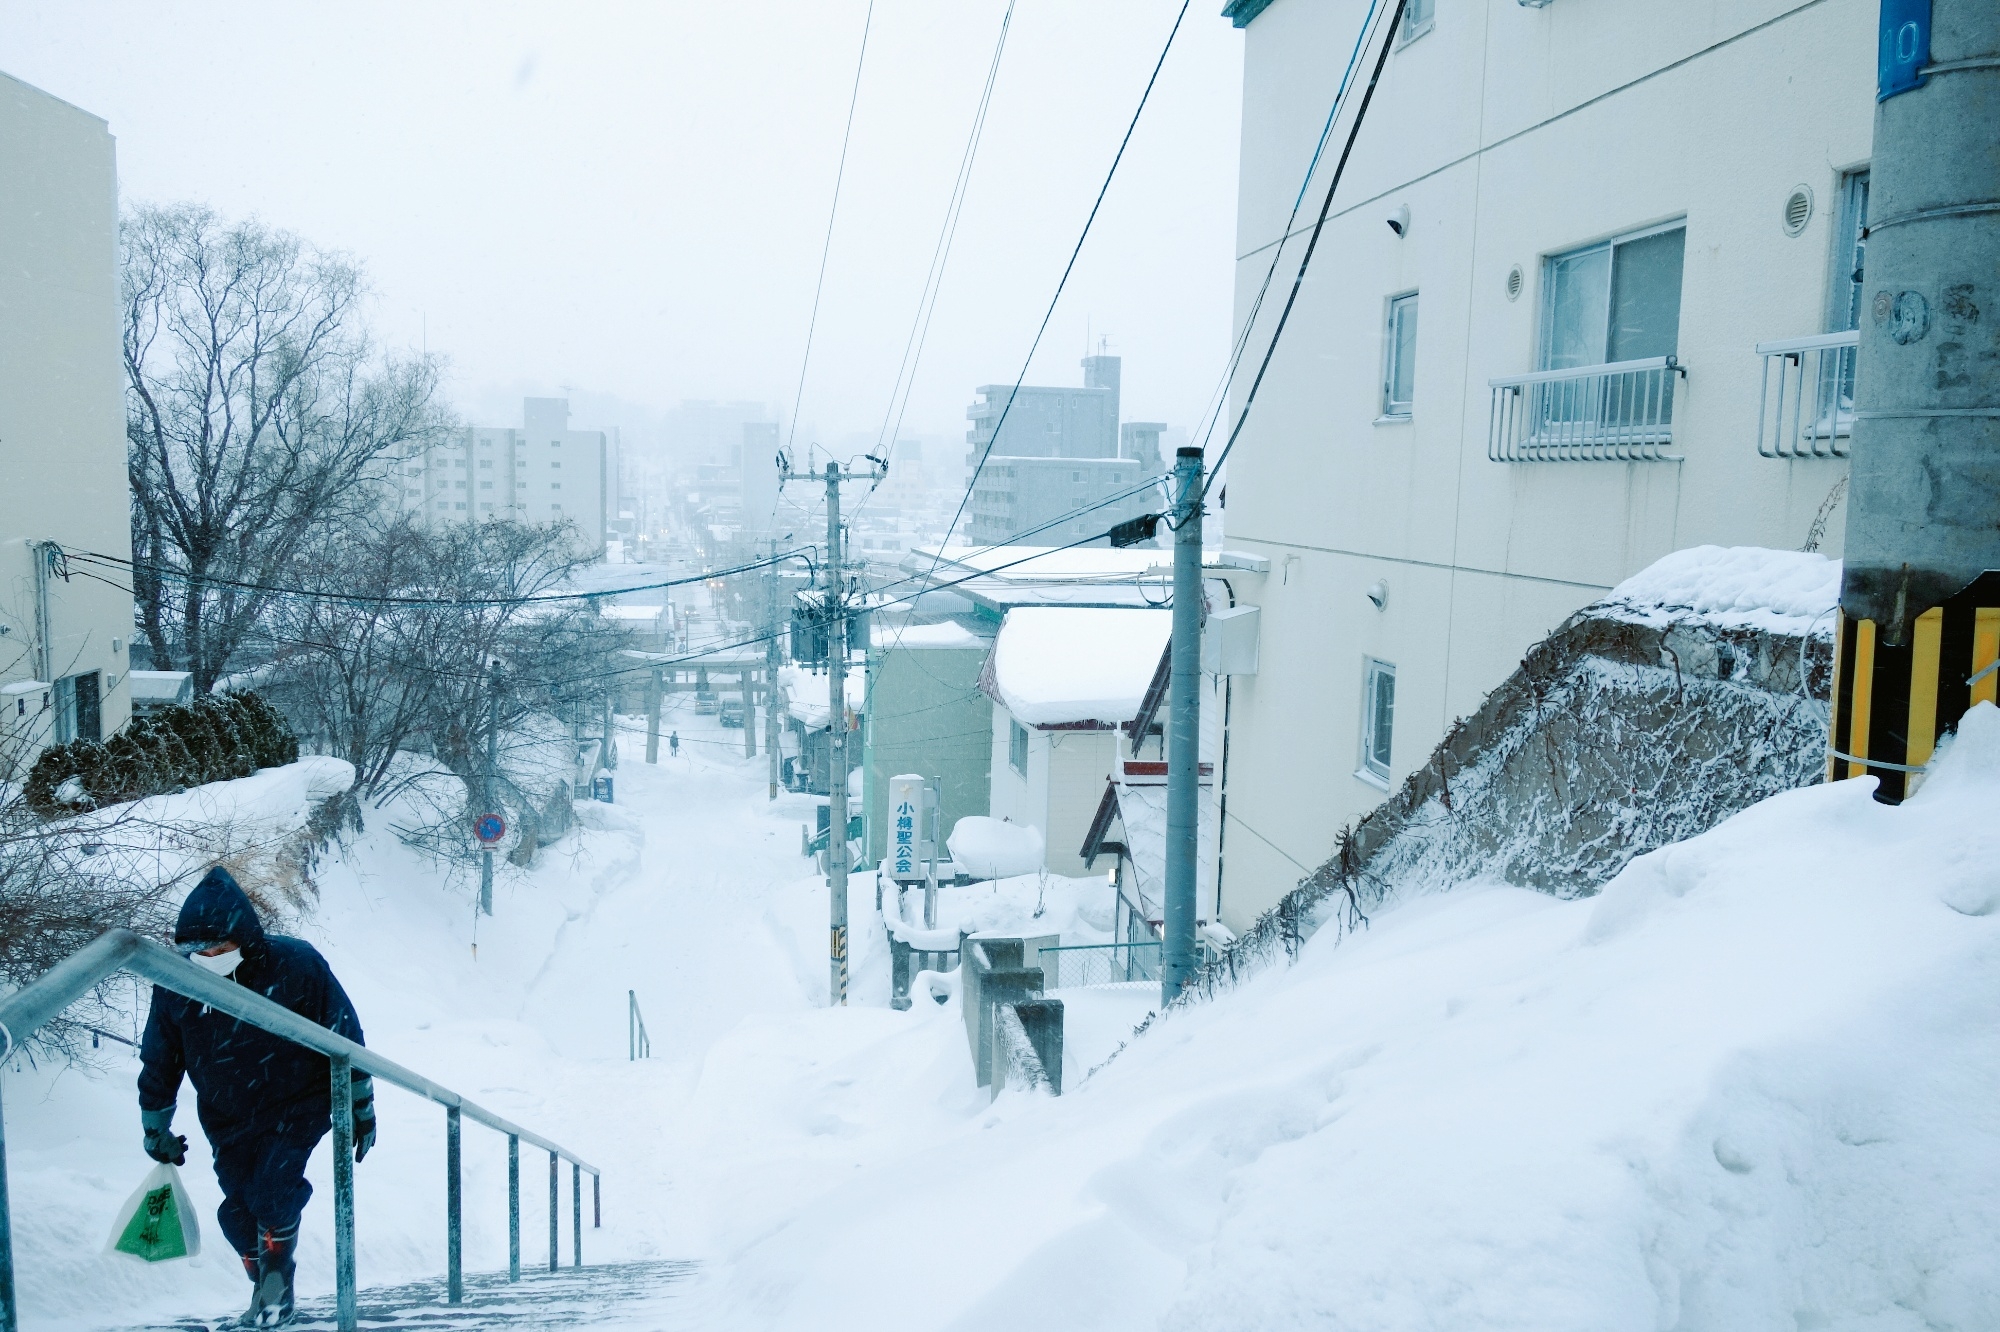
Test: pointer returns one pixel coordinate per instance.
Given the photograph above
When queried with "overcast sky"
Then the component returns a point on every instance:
(630, 199)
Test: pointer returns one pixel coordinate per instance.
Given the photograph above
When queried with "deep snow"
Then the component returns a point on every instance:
(1754, 1083)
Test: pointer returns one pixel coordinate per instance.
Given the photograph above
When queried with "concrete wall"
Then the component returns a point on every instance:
(1510, 134)
(62, 414)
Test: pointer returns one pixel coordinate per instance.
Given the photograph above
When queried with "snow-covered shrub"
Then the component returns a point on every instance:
(214, 739)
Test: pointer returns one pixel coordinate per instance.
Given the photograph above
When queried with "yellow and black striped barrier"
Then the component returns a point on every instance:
(1892, 704)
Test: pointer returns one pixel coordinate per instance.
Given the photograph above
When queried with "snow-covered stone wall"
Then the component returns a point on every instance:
(1647, 718)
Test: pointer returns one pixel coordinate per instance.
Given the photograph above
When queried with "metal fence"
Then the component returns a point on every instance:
(1621, 412)
(26, 1011)
(1075, 965)
(1806, 406)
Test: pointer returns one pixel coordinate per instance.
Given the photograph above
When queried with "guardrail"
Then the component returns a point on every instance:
(1071, 965)
(1620, 412)
(27, 1010)
(1812, 413)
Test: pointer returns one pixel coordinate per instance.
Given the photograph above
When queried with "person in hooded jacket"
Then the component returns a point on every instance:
(262, 1100)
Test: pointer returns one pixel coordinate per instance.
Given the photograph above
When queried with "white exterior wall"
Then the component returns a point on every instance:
(1511, 134)
(543, 472)
(1059, 795)
(62, 411)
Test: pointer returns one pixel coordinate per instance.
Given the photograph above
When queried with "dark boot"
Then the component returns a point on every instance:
(271, 1301)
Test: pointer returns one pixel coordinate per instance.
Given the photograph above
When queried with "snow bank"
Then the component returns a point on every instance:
(994, 848)
(1053, 666)
(1754, 1084)
(1781, 591)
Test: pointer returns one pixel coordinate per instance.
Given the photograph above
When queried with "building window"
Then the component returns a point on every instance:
(556, 463)
(555, 485)
(1418, 18)
(1017, 747)
(1850, 247)
(458, 506)
(1378, 719)
(1619, 300)
(443, 505)
(486, 462)
(79, 712)
(555, 508)
(1399, 369)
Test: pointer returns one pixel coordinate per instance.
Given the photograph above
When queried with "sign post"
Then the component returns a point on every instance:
(488, 829)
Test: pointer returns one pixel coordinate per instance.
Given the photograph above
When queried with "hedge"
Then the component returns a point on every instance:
(213, 739)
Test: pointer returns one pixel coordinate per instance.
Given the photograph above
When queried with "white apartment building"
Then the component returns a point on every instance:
(1585, 297)
(64, 638)
(542, 472)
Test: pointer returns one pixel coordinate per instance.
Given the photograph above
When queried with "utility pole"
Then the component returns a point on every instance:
(1920, 586)
(834, 615)
(1183, 731)
(653, 718)
(771, 667)
(492, 770)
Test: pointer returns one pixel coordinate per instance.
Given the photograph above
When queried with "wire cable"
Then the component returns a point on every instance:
(1305, 260)
(972, 482)
(832, 212)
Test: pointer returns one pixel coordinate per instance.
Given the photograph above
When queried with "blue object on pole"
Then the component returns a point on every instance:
(600, 788)
(489, 828)
(1904, 47)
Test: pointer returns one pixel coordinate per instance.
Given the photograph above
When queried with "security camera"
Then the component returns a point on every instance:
(1378, 592)
(1399, 221)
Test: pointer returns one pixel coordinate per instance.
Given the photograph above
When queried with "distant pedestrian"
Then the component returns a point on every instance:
(262, 1099)
(674, 745)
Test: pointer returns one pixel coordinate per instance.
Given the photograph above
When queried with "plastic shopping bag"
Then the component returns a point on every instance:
(157, 1222)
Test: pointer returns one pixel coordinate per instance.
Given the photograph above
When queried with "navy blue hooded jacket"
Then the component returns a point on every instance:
(247, 1080)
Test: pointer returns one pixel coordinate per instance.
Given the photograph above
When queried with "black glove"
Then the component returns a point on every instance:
(364, 1115)
(162, 1143)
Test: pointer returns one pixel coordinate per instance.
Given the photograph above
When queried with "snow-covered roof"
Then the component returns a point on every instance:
(1056, 666)
(640, 614)
(1736, 587)
(806, 693)
(947, 635)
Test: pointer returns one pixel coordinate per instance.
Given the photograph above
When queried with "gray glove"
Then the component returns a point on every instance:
(162, 1143)
(364, 1115)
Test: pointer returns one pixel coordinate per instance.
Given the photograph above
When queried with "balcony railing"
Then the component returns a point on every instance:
(1806, 409)
(1620, 412)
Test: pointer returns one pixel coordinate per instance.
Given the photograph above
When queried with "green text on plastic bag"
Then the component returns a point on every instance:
(155, 1232)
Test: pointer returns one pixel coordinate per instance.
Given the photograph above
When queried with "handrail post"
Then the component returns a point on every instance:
(555, 1210)
(345, 1302)
(8, 1316)
(513, 1207)
(576, 1214)
(454, 1229)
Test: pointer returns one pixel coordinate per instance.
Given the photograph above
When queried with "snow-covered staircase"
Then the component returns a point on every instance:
(601, 1296)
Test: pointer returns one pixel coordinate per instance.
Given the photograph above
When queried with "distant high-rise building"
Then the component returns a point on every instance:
(540, 473)
(1058, 451)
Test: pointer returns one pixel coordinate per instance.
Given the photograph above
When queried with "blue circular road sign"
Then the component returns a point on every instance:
(489, 828)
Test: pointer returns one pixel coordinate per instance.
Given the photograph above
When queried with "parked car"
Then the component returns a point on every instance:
(704, 702)
(732, 715)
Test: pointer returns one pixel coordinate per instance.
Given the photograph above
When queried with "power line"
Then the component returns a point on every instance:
(833, 211)
(972, 482)
(1305, 261)
(357, 599)
(1213, 413)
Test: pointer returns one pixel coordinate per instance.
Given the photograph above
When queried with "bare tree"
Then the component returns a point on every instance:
(258, 416)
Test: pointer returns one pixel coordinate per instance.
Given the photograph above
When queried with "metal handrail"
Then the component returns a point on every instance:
(1619, 411)
(1801, 422)
(1585, 371)
(637, 1044)
(27, 1010)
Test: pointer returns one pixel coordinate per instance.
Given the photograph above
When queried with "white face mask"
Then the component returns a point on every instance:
(221, 963)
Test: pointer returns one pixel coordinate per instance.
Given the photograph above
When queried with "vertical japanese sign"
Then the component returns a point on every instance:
(906, 803)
